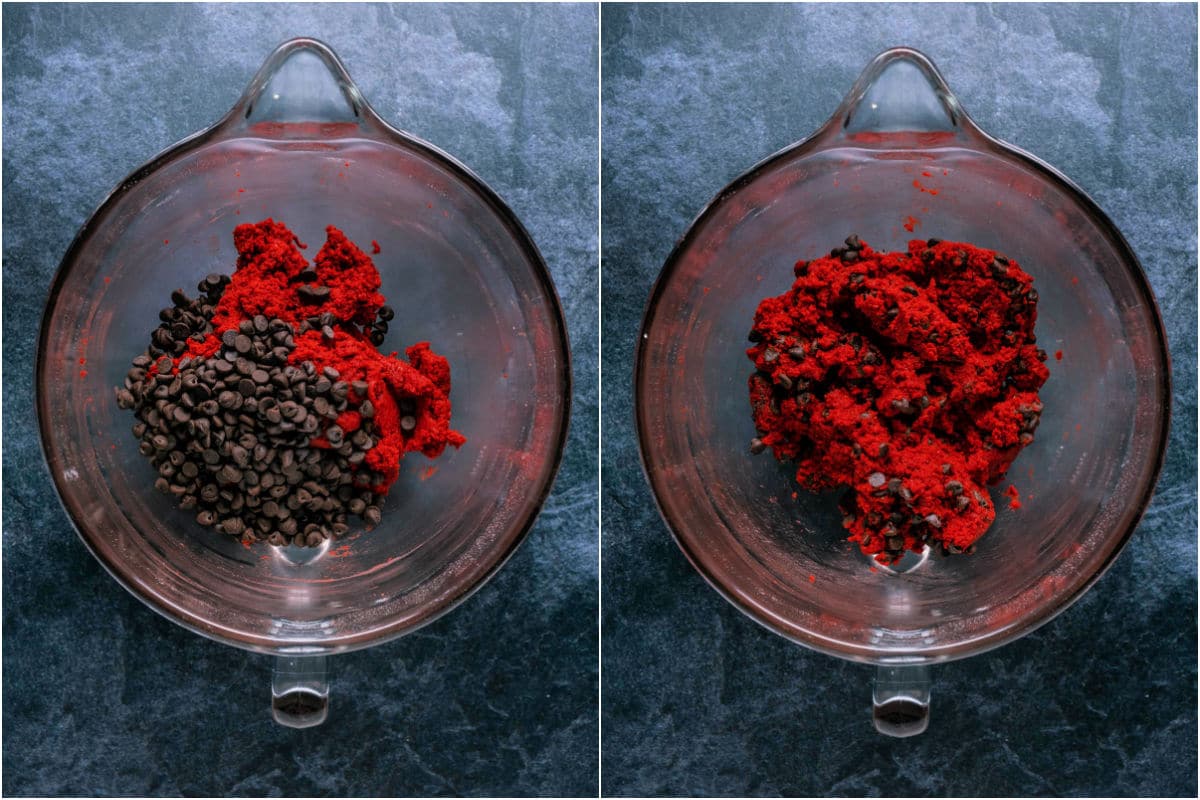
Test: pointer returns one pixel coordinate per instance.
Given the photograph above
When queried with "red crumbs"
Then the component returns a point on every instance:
(1014, 496)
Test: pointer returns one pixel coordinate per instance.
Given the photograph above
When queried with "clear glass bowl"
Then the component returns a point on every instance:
(900, 150)
(304, 147)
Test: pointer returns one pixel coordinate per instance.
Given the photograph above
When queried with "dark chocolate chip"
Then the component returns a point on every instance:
(313, 294)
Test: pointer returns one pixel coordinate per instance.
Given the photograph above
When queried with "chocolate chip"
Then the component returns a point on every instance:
(313, 294)
(229, 474)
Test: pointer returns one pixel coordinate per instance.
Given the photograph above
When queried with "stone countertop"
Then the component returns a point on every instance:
(699, 700)
(103, 696)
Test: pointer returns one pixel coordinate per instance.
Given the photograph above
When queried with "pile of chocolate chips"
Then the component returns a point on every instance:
(230, 435)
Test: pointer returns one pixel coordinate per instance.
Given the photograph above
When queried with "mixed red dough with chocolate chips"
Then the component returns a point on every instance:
(911, 378)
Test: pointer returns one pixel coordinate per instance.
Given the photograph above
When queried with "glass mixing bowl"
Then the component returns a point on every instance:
(901, 151)
(304, 147)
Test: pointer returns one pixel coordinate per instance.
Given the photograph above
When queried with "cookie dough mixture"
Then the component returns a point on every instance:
(911, 378)
(264, 403)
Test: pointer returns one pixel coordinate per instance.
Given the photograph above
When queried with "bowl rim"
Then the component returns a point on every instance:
(808, 146)
(384, 134)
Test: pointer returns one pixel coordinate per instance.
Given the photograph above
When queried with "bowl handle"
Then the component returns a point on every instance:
(299, 691)
(900, 700)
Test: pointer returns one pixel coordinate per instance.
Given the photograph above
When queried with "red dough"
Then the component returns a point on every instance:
(911, 378)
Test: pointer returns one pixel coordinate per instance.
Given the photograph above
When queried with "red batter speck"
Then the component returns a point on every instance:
(1014, 496)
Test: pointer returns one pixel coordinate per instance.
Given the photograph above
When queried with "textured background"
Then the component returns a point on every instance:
(103, 696)
(700, 700)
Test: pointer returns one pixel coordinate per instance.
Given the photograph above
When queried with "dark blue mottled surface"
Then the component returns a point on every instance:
(103, 696)
(700, 700)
